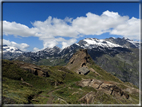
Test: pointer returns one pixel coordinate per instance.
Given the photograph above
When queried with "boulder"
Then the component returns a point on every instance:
(83, 71)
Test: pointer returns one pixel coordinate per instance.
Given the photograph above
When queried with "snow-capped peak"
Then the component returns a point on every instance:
(93, 42)
(124, 42)
(113, 37)
(54, 49)
(11, 49)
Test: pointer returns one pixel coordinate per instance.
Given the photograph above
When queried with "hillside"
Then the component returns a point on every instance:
(118, 56)
(81, 81)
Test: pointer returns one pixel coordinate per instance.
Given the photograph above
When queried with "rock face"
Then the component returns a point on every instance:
(79, 61)
(110, 88)
(33, 69)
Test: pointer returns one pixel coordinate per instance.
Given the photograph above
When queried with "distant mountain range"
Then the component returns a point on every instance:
(118, 56)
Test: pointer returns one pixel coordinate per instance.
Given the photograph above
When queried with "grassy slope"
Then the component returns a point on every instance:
(66, 88)
(15, 90)
(13, 87)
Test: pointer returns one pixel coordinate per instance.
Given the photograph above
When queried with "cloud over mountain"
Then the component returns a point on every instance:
(21, 46)
(54, 31)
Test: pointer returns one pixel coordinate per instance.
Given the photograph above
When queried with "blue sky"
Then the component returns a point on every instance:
(35, 26)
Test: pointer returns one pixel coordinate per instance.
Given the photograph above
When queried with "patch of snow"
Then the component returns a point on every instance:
(77, 44)
(91, 42)
(70, 50)
(136, 43)
(71, 54)
(11, 49)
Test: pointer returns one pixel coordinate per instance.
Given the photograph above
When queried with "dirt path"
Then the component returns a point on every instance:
(50, 98)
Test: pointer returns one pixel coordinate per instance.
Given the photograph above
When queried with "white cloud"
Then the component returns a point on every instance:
(35, 49)
(53, 31)
(21, 46)
(129, 29)
(68, 43)
(55, 27)
(94, 24)
(67, 19)
(17, 29)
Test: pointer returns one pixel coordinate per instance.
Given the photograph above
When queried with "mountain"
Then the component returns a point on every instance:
(110, 44)
(124, 42)
(81, 81)
(118, 56)
(10, 52)
(90, 43)
(11, 49)
(37, 57)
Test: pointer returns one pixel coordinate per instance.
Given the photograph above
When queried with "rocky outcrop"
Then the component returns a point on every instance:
(117, 91)
(33, 69)
(36, 71)
(78, 62)
(90, 82)
(110, 88)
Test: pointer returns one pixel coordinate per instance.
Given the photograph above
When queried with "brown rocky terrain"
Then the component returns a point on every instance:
(108, 87)
(32, 69)
(78, 62)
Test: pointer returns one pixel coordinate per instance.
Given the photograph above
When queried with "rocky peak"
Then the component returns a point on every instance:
(79, 61)
(56, 48)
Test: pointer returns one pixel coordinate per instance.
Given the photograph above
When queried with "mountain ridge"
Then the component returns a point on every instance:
(124, 54)
(97, 42)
